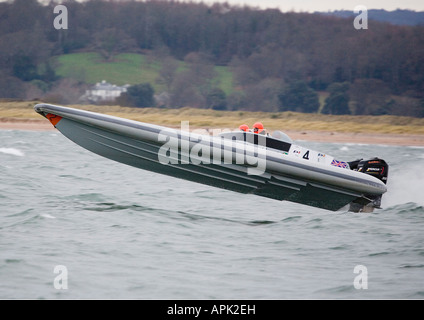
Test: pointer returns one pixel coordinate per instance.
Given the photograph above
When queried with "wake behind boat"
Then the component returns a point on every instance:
(241, 161)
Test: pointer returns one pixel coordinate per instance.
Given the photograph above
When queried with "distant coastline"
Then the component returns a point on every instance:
(381, 130)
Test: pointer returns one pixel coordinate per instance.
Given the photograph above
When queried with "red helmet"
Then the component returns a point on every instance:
(258, 127)
(244, 127)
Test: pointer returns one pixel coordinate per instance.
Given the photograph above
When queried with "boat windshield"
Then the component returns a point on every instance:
(280, 135)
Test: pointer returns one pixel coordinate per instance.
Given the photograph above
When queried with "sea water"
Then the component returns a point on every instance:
(74, 225)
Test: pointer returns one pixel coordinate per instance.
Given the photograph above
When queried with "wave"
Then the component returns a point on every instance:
(48, 216)
(12, 151)
(406, 208)
(112, 207)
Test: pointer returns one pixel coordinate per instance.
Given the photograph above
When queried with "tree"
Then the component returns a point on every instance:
(201, 70)
(262, 96)
(191, 87)
(185, 92)
(216, 99)
(167, 72)
(48, 73)
(110, 42)
(370, 97)
(24, 68)
(338, 100)
(22, 51)
(139, 95)
(243, 74)
(11, 87)
(420, 111)
(65, 91)
(297, 96)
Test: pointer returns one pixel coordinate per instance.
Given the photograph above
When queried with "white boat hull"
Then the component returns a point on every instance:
(281, 177)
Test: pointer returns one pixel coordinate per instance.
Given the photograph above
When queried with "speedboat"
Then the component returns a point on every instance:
(272, 166)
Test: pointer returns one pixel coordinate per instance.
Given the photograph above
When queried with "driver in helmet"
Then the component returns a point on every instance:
(244, 127)
(258, 128)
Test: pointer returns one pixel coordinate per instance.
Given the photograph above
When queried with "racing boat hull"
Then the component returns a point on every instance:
(218, 161)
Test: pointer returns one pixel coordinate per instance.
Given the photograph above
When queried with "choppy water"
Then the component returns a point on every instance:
(124, 233)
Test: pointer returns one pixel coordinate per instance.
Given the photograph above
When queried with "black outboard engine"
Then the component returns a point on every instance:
(375, 167)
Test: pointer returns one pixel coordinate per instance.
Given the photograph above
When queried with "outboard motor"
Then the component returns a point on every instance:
(375, 167)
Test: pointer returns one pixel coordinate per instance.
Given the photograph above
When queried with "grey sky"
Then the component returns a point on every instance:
(328, 5)
(318, 5)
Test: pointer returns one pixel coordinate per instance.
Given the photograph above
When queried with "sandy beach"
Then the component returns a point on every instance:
(26, 124)
(306, 135)
(359, 138)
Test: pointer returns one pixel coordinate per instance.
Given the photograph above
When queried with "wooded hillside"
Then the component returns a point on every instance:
(279, 61)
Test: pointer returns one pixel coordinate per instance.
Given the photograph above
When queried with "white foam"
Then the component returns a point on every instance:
(405, 185)
(48, 216)
(12, 151)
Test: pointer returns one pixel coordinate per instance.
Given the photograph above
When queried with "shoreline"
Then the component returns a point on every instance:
(305, 135)
(26, 124)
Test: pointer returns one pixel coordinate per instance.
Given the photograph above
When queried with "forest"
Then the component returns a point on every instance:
(278, 61)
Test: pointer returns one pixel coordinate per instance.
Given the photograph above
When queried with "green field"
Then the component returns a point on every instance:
(126, 68)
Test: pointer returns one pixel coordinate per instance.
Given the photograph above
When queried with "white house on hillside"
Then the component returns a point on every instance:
(104, 91)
